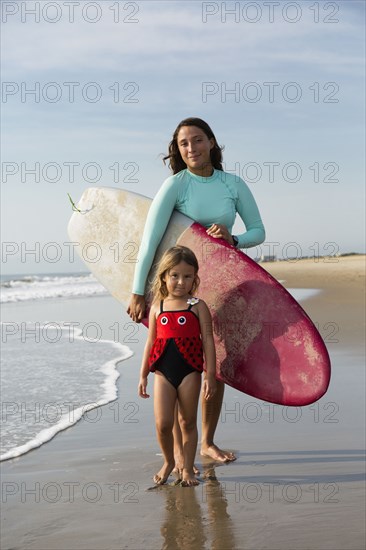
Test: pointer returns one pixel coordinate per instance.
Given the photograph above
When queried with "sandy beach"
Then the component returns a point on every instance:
(298, 482)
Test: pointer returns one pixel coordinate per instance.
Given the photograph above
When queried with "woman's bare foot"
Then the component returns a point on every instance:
(212, 451)
(189, 479)
(161, 477)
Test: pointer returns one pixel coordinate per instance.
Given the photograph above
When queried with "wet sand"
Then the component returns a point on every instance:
(298, 482)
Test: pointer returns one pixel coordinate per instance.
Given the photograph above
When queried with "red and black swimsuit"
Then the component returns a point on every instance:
(177, 350)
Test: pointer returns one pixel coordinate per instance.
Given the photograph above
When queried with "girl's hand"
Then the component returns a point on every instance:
(219, 231)
(136, 308)
(142, 387)
(209, 387)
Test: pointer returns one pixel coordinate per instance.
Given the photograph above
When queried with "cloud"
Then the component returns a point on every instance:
(171, 38)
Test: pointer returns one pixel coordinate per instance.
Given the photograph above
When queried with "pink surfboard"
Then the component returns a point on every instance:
(266, 345)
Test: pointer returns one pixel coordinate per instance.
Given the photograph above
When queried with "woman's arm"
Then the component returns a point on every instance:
(156, 223)
(248, 211)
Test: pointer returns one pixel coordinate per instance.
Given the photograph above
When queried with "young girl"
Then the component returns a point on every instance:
(180, 330)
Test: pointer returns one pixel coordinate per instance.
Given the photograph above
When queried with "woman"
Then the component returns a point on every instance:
(200, 189)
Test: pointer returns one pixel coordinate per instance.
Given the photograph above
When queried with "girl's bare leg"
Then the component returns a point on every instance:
(165, 396)
(188, 395)
(178, 442)
(210, 416)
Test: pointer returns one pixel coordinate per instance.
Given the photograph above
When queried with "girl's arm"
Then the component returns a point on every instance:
(209, 381)
(144, 371)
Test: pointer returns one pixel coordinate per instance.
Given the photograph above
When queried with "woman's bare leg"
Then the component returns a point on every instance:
(211, 410)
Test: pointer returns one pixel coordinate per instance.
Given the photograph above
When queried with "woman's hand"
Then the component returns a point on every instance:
(136, 308)
(219, 231)
(142, 387)
(209, 387)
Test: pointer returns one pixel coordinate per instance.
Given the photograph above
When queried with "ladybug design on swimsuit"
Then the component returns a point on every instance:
(177, 350)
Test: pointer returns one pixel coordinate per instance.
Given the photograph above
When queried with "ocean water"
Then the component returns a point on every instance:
(19, 288)
(51, 373)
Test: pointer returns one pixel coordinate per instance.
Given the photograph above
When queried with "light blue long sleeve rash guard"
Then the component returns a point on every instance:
(207, 200)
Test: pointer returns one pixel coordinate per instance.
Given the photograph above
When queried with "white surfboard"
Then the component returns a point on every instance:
(107, 235)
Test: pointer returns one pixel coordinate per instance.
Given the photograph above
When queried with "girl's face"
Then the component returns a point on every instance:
(179, 280)
(194, 147)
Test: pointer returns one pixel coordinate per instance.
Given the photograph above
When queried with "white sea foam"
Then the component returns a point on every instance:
(18, 429)
(301, 294)
(38, 287)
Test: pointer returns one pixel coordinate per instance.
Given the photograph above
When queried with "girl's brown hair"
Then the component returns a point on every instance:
(176, 163)
(172, 257)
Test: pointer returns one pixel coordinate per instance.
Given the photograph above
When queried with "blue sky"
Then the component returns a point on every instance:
(281, 85)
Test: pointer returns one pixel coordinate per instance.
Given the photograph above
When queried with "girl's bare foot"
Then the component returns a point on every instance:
(161, 477)
(189, 479)
(179, 461)
(178, 468)
(212, 451)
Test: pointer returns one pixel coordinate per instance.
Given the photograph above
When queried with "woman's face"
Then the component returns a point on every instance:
(194, 147)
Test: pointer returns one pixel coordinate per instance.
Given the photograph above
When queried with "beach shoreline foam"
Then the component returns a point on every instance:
(108, 392)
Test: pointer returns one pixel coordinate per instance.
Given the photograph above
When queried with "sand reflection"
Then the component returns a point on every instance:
(197, 517)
